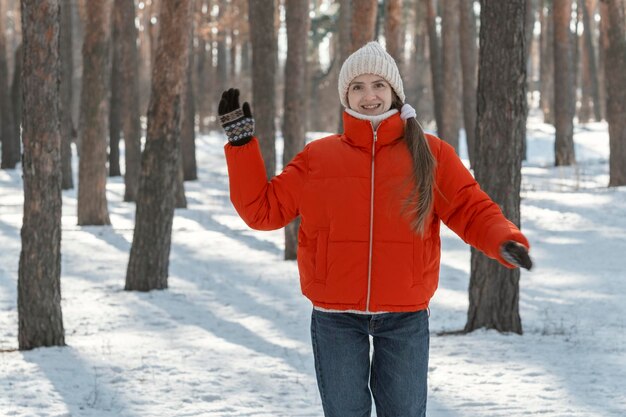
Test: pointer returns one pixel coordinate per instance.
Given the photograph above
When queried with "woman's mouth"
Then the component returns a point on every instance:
(371, 106)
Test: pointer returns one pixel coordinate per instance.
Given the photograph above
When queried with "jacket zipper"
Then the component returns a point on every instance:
(369, 266)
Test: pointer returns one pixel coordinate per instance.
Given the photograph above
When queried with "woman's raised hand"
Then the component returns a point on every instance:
(238, 123)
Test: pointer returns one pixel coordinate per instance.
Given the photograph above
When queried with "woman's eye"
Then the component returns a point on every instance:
(380, 85)
(356, 87)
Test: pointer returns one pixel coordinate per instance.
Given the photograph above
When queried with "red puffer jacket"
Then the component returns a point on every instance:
(356, 249)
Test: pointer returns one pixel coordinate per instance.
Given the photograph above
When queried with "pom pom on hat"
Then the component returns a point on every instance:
(370, 59)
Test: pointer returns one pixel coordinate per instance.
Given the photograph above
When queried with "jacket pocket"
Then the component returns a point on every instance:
(321, 255)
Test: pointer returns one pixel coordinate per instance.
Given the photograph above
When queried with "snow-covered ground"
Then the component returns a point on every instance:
(230, 337)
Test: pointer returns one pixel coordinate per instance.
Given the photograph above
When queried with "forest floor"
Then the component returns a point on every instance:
(230, 337)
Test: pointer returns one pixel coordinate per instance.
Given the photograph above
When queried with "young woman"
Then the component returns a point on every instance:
(370, 202)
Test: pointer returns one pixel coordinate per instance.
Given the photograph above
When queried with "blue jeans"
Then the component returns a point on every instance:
(397, 372)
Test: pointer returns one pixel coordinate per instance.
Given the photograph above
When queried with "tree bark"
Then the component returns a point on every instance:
(345, 49)
(39, 276)
(494, 290)
(149, 255)
(591, 94)
(547, 63)
(115, 104)
(16, 90)
(188, 130)
(92, 173)
(436, 70)
(563, 80)
(264, 62)
(203, 68)
(613, 22)
(294, 123)
(394, 35)
(8, 136)
(222, 51)
(65, 106)
(363, 26)
(420, 95)
(469, 56)
(127, 65)
(450, 47)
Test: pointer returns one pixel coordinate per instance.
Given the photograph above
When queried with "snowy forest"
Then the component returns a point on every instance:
(130, 286)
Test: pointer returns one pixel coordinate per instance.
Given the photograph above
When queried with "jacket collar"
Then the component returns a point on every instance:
(359, 132)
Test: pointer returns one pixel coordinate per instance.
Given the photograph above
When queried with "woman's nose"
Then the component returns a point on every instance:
(370, 94)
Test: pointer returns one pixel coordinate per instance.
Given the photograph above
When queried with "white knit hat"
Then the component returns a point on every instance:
(370, 59)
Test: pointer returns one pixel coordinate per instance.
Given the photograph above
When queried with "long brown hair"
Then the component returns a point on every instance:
(420, 202)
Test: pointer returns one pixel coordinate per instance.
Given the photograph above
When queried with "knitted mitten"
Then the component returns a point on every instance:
(237, 122)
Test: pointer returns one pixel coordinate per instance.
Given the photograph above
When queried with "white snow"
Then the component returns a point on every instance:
(230, 337)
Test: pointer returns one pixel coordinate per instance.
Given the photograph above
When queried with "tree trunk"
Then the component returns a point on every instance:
(39, 276)
(613, 24)
(575, 44)
(8, 136)
(188, 131)
(65, 105)
(222, 52)
(345, 49)
(115, 105)
(16, 90)
(420, 96)
(127, 65)
(469, 57)
(547, 63)
(179, 187)
(436, 71)
(494, 290)
(529, 26)
(77, 68)
(92, 173)
(450, 46)
(394, 35)
(297, 19)
(203, 68)
(264, 61)
(590, 68)
(363, 26)
(586, 102)
(149, 253)
(563, 80)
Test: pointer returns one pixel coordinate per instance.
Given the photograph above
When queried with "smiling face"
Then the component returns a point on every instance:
(369, 94)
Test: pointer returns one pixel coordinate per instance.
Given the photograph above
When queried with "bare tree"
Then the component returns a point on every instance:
(394, 39)
(188, 132)
(449, 130)
(116, 86)
(264, 62)
(67, 69)
(436, 70)
(469, 56)
(297, 18)
(547, 61)
(363, 26)
(563, 80)
(8, 136)
(126, 66)
(16, 89)
(590, 90)
(92, 174)
(613, 26)
(149, 254)
(494, 290)
(39, 282)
